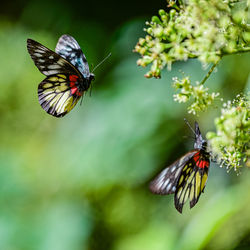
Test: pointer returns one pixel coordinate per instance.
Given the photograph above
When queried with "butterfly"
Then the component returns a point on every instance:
(67, 74)
(187, 176)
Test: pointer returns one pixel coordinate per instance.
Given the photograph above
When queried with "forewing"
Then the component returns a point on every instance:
(55, 95)
(69, 49)
(166, 181)
(47, 61)
(191, 182)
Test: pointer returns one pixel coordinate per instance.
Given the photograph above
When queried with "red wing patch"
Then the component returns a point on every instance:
(200, 161)
(202, 164)
(73, 88)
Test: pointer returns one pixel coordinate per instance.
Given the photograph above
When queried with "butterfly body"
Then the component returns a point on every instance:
(187, 176)
(67, 71)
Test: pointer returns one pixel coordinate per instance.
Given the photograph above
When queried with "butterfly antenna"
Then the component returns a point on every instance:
(101, 62)
(185, 120)
(92, 66)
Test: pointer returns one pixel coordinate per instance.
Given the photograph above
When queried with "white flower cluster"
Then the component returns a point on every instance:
(198, 94)
(230, 144)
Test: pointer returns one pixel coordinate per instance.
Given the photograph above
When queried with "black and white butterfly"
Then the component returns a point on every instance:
(67, 74)
(187, 176)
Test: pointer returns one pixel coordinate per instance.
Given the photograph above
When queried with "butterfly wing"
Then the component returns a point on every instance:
(48, 62)
(58, 94)
(192, 180)
(166, 181)
(68, 48)
(186, 177)
(63, 87)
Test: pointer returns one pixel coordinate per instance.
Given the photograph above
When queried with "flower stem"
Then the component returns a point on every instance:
(219, 53)
(243, 50)
(209, 72)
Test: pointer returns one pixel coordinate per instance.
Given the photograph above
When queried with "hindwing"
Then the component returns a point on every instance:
(57, 95)
(191, 183)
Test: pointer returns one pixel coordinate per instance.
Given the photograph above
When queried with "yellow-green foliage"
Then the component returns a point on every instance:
(202, 29)
(231, 141)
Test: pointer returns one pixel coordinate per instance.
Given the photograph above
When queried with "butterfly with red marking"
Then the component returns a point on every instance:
(187, 176)
(67, 74)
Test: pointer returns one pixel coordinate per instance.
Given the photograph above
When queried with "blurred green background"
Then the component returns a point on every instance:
(81, 182)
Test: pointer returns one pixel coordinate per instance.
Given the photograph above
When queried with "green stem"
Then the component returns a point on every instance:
(209, 73)
(243, 50)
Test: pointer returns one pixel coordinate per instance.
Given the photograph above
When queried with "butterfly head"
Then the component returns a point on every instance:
(91, 77)
(87, 81)
(200, 143)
